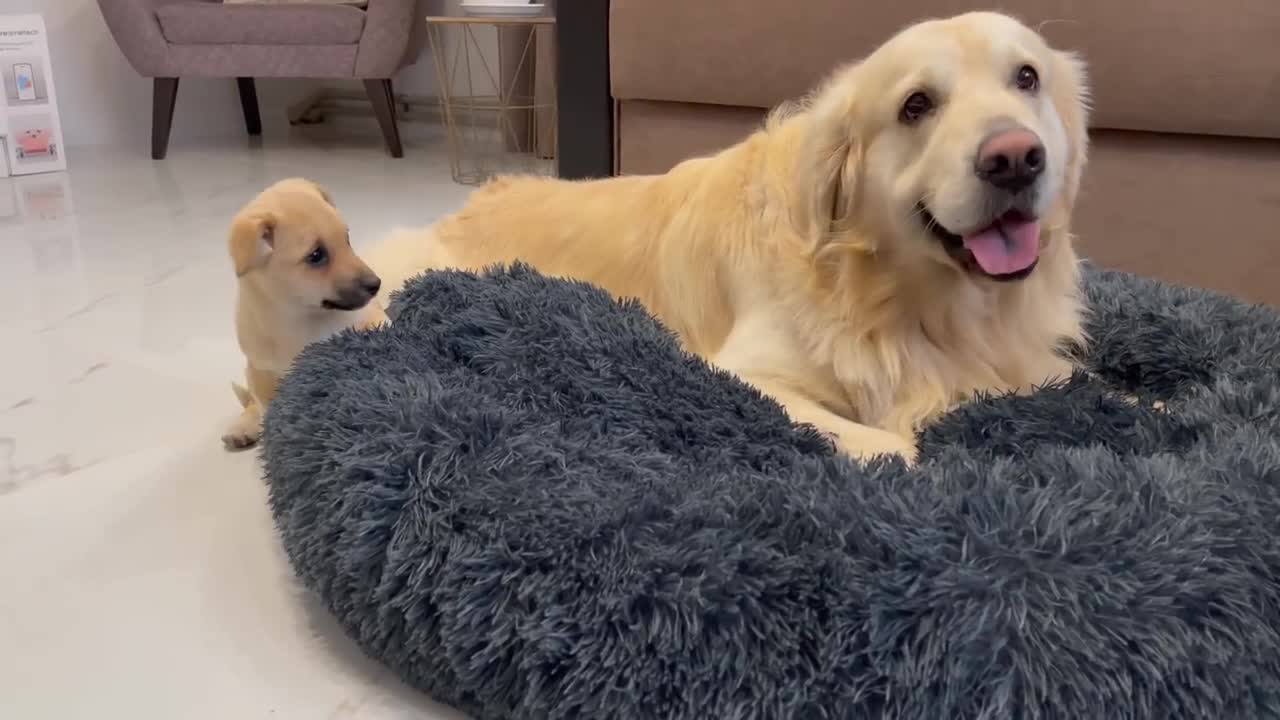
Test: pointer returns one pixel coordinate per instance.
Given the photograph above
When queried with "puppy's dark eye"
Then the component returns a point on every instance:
(916, 106)
(317, 257)
(1027, 79)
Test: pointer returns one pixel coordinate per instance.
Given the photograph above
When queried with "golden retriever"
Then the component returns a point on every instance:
(299, 281)
(872, 256)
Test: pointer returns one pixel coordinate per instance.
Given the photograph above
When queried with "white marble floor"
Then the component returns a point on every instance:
(140, 576)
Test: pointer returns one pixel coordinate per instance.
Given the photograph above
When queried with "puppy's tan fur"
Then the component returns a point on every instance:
(280, 303)
(795, 259)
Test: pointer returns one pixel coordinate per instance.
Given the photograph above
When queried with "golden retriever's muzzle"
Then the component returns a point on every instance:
(1009, 162)
(1010, 159)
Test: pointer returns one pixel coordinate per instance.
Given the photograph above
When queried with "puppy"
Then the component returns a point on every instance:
(298, 282)
(874, 255)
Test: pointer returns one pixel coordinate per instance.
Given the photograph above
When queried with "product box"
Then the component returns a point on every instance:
(29, 125)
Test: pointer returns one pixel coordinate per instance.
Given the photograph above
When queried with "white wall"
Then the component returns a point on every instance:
(103, 101)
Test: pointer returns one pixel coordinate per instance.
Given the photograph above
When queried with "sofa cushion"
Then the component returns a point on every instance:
(211, 23)
(653, 135)
(1189, 67)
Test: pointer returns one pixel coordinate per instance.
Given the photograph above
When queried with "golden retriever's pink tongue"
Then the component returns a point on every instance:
(1010, 245)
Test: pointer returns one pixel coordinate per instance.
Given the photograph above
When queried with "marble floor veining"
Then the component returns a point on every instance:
(140, 576)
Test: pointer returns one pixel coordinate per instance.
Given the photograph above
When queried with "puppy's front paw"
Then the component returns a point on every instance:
(242, 435)
(239, 441)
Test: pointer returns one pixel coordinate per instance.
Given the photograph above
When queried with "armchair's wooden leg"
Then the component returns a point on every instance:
(384, 106)
(164, 96)
(249, 103)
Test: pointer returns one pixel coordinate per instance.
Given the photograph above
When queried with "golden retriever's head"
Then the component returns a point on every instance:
(959, 141)
(292, 243)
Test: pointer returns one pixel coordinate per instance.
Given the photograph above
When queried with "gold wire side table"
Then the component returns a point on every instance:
(509, 129)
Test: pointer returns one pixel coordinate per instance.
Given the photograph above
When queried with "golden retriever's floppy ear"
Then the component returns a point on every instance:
(252, 239)
(828, 166)
(1070, 96)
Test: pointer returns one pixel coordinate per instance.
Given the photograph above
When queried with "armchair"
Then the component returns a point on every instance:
(170, 39)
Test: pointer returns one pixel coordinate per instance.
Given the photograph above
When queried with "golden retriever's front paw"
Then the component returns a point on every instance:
(241, 436)
(865, 443)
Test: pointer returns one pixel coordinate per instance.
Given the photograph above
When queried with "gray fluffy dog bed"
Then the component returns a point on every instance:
(525, 499)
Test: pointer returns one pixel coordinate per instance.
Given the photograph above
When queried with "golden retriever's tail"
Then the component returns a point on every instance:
(242, 394)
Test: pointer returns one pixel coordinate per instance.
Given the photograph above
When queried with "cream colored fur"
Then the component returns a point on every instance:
(795, 259)
(281, 297)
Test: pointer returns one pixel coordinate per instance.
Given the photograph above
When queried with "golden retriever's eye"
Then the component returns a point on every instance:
(1027, 79)
(916, 106)
(317, 257)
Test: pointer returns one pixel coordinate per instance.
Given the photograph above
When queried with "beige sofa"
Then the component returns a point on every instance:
(1184, 179)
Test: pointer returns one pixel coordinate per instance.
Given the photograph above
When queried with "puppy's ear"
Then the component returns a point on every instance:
(1070, 97)
(829, 163)
(252, 240)
(301, 184)
(322, 193)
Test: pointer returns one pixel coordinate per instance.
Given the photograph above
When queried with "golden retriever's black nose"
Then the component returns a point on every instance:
(372, 284)
(1010, 159)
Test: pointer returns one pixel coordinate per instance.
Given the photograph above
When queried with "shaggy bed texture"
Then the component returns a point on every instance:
(530, 503)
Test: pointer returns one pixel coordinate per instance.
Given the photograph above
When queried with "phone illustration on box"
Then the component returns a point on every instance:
(25, 78)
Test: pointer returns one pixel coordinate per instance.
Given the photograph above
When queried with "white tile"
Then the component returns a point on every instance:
(140, 575)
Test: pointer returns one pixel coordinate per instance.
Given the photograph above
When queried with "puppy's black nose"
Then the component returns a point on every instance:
(372, 284)
(1010, 159)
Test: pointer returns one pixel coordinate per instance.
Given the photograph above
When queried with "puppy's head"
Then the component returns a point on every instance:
(292, 244)
(960, 141)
